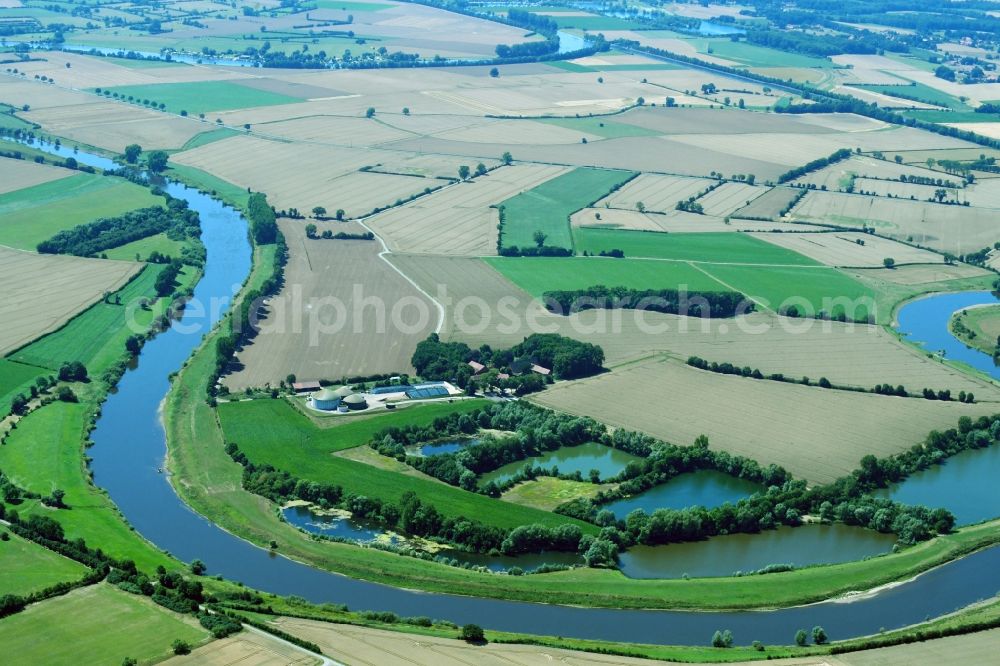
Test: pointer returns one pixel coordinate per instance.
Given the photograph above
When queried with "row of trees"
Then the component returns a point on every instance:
(87, 240)
(708, 304)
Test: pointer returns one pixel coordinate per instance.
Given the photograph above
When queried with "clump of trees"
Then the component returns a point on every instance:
(713, 304)
(262, 220)
(87, 240)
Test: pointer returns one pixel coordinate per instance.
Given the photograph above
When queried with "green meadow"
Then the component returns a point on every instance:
(277, 435)
(26, 567)
(547, 208)
(700, 247)
(203, 96)
(16, 378)
(602, 127)
(34, 214)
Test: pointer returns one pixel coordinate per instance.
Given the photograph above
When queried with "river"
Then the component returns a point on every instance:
(130, 448)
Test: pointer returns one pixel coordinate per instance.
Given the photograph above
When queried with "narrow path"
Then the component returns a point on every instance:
(729, 286)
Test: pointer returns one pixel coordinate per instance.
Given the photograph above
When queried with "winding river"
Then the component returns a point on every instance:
(130, 448)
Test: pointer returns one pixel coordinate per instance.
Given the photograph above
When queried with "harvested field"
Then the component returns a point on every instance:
(325, 323)
(458, 220)
(925, 274)
(45, 291)
(912, 191)
(675, 120)
(843, 249)
(728, 197)
(822, 439)
(955, 229)
(976, 648)
(768, 205)
(19, 174)
(520, 132)
(321, 176)
(332, 129)
(657, 193)
(845, 354)
(361, 645)
(113, 125)
(247, 649)
(675, 221)
(838, 175)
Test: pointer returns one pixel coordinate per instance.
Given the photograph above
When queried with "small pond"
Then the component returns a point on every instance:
(966, 484)
(724, 555)
(438, 448)
(705, 487)
(568, 459)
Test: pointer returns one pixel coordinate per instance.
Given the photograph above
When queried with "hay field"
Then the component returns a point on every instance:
(842, 249)
(320, 176)
(519, 132)
(114, 125)
(484, 307)
(769, 205)
(44, 291)
(675, 221)
(657, 193)
(459, 219)
(332, 129)
(325, 323)
(955, 229)
(934, 276)
(19, 174)
(822, 438)
(728, 197)
(246, 649)
(913, 191)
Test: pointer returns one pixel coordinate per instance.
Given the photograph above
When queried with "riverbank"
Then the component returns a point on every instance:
(977, 327)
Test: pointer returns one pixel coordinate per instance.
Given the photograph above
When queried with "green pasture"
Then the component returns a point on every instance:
(134, 63)
(602, 127)
(204, 96)
(98, 624)
(44, 453)
(34, 214)
(26, 567)
(223, 189)
(547, 208)
(918, 91)
(279, 436)
(16, 378)
(698, 247)
(758, 56)
(211, 136)
(144, 246)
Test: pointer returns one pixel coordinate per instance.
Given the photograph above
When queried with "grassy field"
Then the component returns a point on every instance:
(609, 129)
(538, 275)
(34, 214)
(548, 492)
(97, 624)
(208, 137)
(922, 92)
(16, 378)
(26, 567)
(45, 452)
(758, 56)
(97, 336)
(140, 250)
(277, 435)
(547, 208)
(203, 96)
(231, 194)
(984, 325)
(702, 248)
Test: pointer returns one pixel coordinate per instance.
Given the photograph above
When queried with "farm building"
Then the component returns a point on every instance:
(476, 367)
(306, 387)
(355, 401)
(325, 399)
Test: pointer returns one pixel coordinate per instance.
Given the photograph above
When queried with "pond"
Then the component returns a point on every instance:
(332, 525)
(706, 487)
(966, 484)
(438, 448)
(724, 555)
(568, 459)
(712, 29)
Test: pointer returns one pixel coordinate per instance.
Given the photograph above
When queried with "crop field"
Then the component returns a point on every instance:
(460, 219)
(255, 433)
(96, 336)
(246, 649)
(547, 207)
(538, 275)
(113, 125)
(99, 621)
(889, 188)
(531, 133)
(20, 174)
(45, 291)
(676, 221)
(656, 193)
(343, 311)
(976, 648)
(599, 127)
(844, 248)
(955, 229)
(821, 439)
(728, 197)
(768, 205)
(838, 175)
(708, 248)
(34, 214)
(205, 96)
(26, 567)
(321, 176)
(333, 130)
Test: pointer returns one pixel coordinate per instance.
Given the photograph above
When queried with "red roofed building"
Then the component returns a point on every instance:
(476, 367)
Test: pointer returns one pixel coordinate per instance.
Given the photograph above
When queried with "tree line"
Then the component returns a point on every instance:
(708, 304)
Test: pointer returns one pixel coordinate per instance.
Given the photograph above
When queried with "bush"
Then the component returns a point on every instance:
(181, 647)
(473, 633)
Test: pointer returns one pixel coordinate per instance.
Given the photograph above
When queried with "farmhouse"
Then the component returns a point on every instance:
(476, 367)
